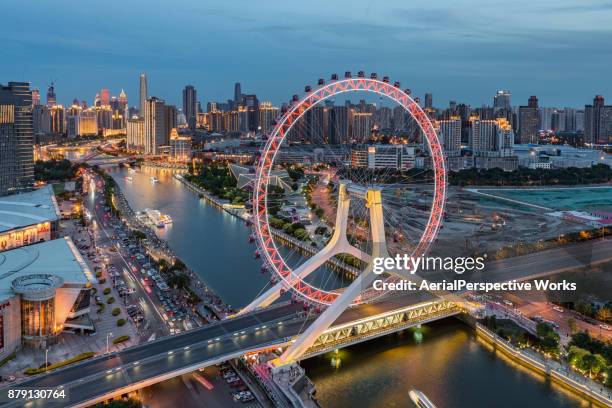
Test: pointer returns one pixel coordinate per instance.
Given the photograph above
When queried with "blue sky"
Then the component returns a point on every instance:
(560, 50)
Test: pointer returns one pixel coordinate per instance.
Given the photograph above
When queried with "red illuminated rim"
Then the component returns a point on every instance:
(267, 244)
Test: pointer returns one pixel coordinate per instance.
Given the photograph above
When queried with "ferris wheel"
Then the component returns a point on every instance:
(383, 216)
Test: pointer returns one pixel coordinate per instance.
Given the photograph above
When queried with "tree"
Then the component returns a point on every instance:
(604, 314)
(598, 364)
(584, 308)
(179, 280)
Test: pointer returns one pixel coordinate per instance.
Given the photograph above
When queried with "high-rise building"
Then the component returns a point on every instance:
(170, 121)
(143, 93)
(428, 101)
(362, 127)
(237, 94)
(267, 113)
(35, 97)
(251, 103)
(529, 121)
(579, 121)
(180, 147)
(16, 137)
(501, 100)
(598, 121)
(51, 100)
(123, 101)
(558, 120)
(190, 103)
(450, 133)
(155, 131)
(338, 125)
(135, 141)
(104, 97)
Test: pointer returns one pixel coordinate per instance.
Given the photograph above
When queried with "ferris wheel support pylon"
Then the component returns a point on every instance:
(338, 244)
(373, 198)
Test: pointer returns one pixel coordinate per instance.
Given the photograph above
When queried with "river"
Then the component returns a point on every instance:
(444, 360)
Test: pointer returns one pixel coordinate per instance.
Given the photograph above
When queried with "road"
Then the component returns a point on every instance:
(103, 232)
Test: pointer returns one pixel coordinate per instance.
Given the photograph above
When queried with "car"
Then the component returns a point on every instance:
(605, 327)
(558, 309)
(508, 303)
(228, 374)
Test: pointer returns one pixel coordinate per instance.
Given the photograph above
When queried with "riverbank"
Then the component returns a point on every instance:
(549, 368)
(159, 249)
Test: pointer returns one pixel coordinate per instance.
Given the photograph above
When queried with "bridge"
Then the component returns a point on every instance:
(136, 367)
(278, 325)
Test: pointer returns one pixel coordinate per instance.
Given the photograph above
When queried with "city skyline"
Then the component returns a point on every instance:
(490, 50)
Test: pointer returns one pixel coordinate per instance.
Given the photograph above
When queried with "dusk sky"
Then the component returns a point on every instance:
(560, 51)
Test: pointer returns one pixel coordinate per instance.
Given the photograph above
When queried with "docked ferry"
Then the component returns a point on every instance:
(157, 218)
(420, 400)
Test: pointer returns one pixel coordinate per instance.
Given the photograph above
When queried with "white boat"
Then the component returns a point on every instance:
(131, 170)
(128, 178)
(154, 179)
(420, 400)
(157, 218)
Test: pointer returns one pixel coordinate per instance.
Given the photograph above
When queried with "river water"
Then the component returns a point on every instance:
(444, 360)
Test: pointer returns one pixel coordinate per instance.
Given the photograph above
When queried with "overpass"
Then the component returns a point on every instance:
(113, 374)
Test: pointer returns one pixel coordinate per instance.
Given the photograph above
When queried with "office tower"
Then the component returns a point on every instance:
(35, 97)
(237, 94)
(105, 117)
(16, 137)
(190, 101)
(251, 103)
(143, 93)
(180, 147)
(267, 113)
(318, 126)
(123, 101)
(362, 127)
(104, 97)
(135, 141)
(529, 121)
(428, 101)
(452, 107)
(154, 125)
(501, 100)
(450, 133)
(51, 100)
(338, 124)
(504, 142)
(598, 121)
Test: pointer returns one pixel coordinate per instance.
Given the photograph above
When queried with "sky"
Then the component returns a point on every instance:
(559, 50)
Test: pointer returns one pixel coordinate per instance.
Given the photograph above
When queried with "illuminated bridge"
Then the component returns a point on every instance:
(132, 368)
(117, 373)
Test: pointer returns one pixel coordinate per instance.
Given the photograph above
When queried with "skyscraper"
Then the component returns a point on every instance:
(450, 133)
(104, 97)
(529, 121)
(428, 101)
(51, 100)
(190, 103)
(237, 94)
(252, 105)
(155, 132)
(16, 137)
(143, 93)
(598, 121)
(501, 100)
(35, 97)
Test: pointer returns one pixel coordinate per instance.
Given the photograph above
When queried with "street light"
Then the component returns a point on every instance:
(46, 359)
(107, 336)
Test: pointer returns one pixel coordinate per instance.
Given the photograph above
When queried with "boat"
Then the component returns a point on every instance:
(131, 170)
(157, 218)
(128, 178)
(153, 179)
(420, 400)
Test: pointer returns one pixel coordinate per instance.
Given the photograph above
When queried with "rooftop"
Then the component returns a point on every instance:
(21, 210)
(58, 257)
